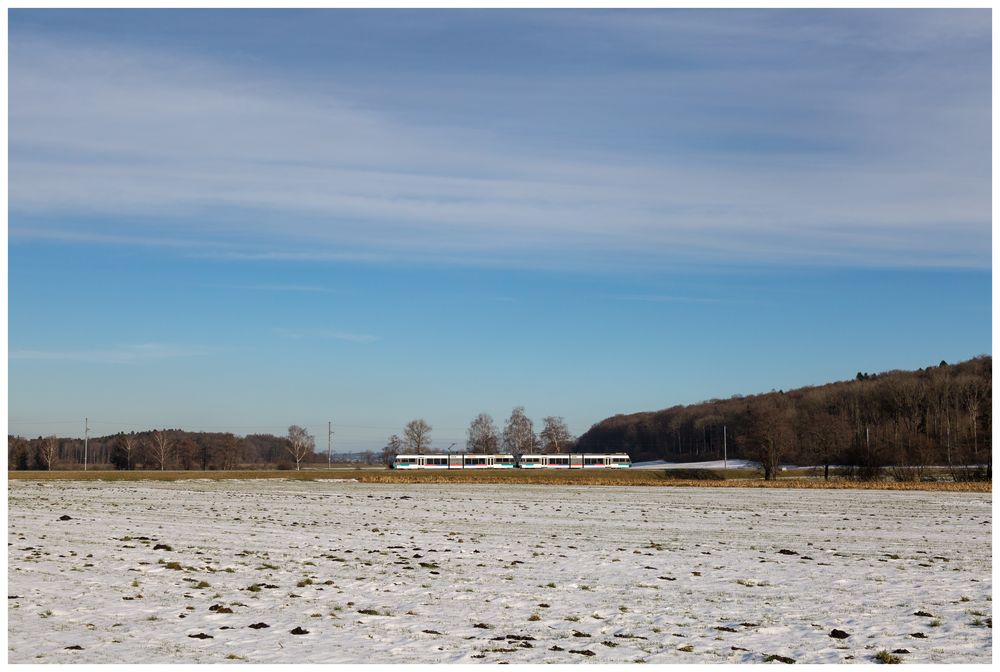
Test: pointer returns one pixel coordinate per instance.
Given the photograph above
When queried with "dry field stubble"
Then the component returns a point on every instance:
(647, 477)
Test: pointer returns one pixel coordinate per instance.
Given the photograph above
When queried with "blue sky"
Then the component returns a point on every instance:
(241, 220)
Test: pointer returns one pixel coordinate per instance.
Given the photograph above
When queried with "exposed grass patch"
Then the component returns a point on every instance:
(887, 658)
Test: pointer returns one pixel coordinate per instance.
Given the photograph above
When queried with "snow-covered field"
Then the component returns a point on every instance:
(203, 571)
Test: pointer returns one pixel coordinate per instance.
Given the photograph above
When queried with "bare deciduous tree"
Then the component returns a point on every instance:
(393, 447)
(769, 434)
(555, 434)
(300, 444)
(825, 437)
(160, 447)
(229, 452)
(50, 451)
(417, 436)
(519, 434)
(129, 444)
(483, 435)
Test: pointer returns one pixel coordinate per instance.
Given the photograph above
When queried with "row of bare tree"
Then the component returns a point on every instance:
(518, 437)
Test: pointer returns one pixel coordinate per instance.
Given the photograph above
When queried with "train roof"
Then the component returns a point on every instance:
(454, 455)
(511, 455)
(574, 454)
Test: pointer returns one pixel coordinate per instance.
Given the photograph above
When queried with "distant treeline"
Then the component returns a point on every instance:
(903, 420)
(157, 449)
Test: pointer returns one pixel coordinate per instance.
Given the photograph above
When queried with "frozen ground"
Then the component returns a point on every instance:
(182, 572)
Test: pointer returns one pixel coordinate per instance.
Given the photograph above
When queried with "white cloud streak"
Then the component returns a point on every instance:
(275, 174)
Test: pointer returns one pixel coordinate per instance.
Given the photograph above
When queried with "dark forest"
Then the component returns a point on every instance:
(902, 420)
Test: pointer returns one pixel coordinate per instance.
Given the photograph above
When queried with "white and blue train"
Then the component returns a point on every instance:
(508, 461)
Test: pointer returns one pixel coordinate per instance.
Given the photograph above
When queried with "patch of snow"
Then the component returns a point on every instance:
(710, 464)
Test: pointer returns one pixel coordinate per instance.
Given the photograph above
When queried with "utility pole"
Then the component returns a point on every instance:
(868, 447)
(329, 445)
(948, 440)
(86, 436)
(725, 462)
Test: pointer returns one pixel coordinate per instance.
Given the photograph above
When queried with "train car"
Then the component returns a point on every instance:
(454, 461)
(545, 461)
(482, 461)
(420, 462)
(610, 461)
(575, 461)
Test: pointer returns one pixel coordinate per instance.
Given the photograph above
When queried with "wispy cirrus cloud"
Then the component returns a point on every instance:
(122, 354)
(858, 154)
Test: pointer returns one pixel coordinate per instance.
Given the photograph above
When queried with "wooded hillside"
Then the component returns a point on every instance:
(941, 415)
